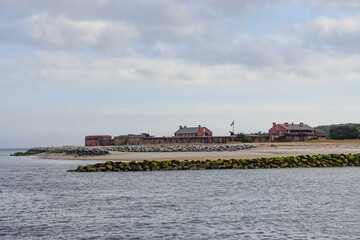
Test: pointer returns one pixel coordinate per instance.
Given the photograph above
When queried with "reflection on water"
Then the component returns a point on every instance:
(39, 199)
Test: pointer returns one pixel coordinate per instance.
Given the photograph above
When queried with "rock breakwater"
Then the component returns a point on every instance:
(31, 151)
(180, 148)
(74, 151)
(98, 151)
(80, 151)
(333, 160)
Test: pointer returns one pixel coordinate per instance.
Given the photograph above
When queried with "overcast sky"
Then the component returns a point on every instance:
(85, 67)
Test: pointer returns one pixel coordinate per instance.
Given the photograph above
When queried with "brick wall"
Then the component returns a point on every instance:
(276, 131)
(279, 133)
(96, 140)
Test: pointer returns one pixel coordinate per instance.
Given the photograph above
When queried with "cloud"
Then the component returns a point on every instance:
(61, 67)
(44, 68)
(65, 33)
(104, 67)
(331, 34)
(116, 27)
(204, 32)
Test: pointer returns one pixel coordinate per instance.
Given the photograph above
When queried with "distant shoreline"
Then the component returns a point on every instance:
(262, 150)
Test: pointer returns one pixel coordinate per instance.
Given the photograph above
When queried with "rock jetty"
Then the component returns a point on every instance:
(98, 151)
(74, 151)
(80, 151)
(180, 148)
(333, 160)
(17, 154)
(31, 151)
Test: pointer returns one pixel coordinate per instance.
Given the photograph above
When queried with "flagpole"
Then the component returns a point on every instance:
(233, 127)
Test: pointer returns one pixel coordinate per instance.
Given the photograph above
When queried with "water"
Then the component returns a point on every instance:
(39, 199)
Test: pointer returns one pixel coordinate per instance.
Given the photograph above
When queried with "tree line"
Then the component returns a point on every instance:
(340, 131)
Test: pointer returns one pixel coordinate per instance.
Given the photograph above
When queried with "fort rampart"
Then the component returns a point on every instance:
(148, 140)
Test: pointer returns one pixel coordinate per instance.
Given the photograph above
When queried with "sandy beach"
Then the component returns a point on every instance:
(262, 150)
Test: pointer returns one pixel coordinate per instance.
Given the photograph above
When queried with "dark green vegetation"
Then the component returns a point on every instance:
(333, 160)
(260, 133)
(241, 137)
(344, 132)
(313, 138)
(339, 131)
(23, 153)
(31, 151)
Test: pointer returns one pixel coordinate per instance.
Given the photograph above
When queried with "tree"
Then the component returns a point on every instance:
(241, 137)
(344, 132)
(325, 129)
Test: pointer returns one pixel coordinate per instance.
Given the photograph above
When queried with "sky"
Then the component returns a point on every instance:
(74, 68)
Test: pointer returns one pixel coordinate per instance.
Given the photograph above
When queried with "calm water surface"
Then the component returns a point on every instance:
(40, 200)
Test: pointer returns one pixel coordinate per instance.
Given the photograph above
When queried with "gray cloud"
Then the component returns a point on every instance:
(199, 34)
(203, 31)
(197, 56)
(64, 33)
(331, 34)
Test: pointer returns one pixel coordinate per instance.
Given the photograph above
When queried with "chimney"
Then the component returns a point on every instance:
(274, 124)
(292, 124)
(199, 127)
(301, 124)
(286, 124)
(184, 126)
(180, 127)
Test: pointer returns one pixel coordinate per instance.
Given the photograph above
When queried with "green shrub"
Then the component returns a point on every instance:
(313, 138)
(241, 137)
(23, 153)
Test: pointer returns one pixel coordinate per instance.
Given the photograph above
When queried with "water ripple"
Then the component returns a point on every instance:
(40, 200)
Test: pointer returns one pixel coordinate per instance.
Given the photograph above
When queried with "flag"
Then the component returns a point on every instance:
(232, 124)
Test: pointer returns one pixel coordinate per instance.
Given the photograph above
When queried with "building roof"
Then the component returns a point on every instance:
(297, 127)
(188, 130)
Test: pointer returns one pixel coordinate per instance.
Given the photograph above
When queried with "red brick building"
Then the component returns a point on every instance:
(193, 132)
(97, 140)
(290, 132)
